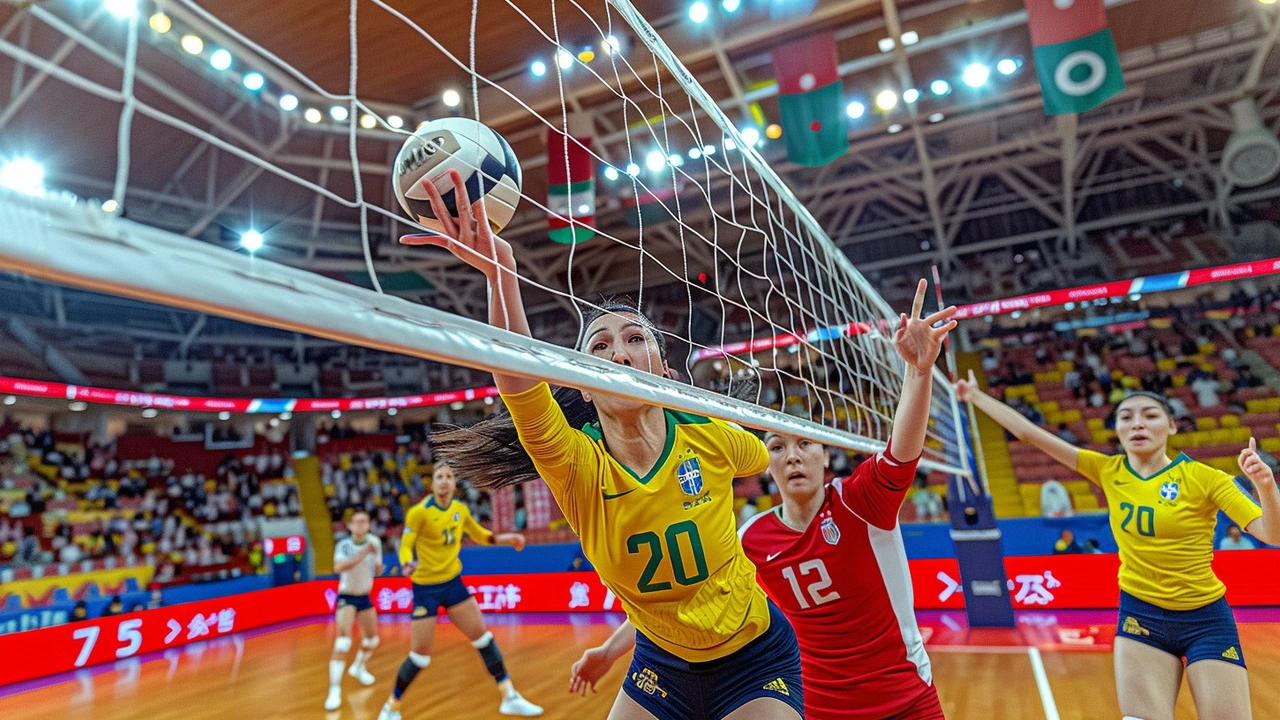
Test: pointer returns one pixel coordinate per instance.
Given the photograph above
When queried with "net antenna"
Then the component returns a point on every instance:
(824, 359)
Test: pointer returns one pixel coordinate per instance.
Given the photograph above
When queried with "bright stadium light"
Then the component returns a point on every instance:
(23, 175)
(675, 160)
(160, 23)
(855, 110)
(10, 399)
(910, 37)
(149, 413)
(122, 9)
(911, 95)
(451, 98)
(538, 68)
(751, 136)
(633, 169)
(895, 128)
(695, 153)
(885, 44)
(731, 5)
(611, 45)
(699, 12)
(937, 117)
(395, 121)
(564, 59)
(1007, 66)
(220, 59)
(313, 116)
(368, 122)
(339, 113)
(611, 173)
(251, 241)
(708, 150)
(78, 406)
(976, 75)
(110, 207)
(940, 87)
(392, 412)
(887, 100)
(335, 414)
(254, 81)
(655, 161)
(192, 44)
(224, 415)
(288, 103)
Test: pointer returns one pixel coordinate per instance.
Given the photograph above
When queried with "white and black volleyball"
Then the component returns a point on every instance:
(479, 154)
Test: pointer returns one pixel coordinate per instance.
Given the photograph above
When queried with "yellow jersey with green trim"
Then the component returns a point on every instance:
(433, 537)
(665, 544)
(1164, 526)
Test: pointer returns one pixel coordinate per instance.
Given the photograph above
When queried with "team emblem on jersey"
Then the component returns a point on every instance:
(1169, 491)
(647, 680)
(690, 475)
(830, 531)
(457, 516)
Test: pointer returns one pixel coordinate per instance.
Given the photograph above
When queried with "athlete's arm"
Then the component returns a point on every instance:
(407, 540)
(345, 564)
(470, 238)
(515, 540)
(595, 663)
(377, 566)
(1011, 420)
(1267, 527)
(918, 343)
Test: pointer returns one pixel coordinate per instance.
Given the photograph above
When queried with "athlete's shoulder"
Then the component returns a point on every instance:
(759, 521)
(1200, 472)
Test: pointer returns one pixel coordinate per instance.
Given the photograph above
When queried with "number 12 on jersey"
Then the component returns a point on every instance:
(815, 586)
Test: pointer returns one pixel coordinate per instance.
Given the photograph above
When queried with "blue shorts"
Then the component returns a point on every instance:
(427, 599)
(359, 602)
(672, 689)
(1207, 633)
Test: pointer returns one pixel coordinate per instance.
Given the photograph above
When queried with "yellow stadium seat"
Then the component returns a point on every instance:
(1085, 502)
(1052, 419)
(1030, 498)
(1065, 366)
(763, 503)
(738, 504)
(1048, 377)
(1229, 421)
(1130, 383)
(1070, 416)
(1209, 348)
(1048, 406)
(1271, 444)
(1167, 364)
(1206, 423)
(1096, 424)
(1240, 435)
(1179, 381)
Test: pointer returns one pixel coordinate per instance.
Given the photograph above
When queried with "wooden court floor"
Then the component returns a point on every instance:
(283, 675)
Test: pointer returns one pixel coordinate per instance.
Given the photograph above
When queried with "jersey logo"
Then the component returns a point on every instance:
(830, 531)
(1169, 491)
(1231, 653)
(611, 496)
(690, 475)
(778, 686)
(647, 680)
(419, 612)
(457, 517)
(1131, 627)
(771, 557)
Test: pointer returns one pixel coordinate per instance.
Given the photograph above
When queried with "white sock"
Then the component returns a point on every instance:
(335, 672)
(508, 689)
(361, 658)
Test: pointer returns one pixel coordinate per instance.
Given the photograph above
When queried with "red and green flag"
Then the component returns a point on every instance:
(811, 98)
(571, 182)
(1076, 57)
(646, 209)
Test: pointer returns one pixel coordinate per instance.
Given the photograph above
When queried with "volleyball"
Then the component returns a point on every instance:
(481, 156)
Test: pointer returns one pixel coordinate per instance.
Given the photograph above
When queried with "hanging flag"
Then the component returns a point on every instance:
(1076, 57)
(811, 98)
(571, 184)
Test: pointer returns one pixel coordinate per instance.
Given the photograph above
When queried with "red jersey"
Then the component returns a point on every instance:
(844, 585)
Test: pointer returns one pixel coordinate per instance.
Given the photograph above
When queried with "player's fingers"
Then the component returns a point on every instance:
(1253, 444)
(482, 217)
(940, 333)
(973, 379)
(434, 239)
(438, 207)
(941, 315)
(463, 201)
(917, 305)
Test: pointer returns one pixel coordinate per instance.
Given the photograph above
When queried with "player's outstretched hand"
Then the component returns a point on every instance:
(966, 389)
(917, 340)
(469, 236)
(407, 569)
(585, 673)
(1254, 468)
(515, 540)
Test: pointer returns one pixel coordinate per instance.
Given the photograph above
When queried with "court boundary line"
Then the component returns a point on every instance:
(1042, 684)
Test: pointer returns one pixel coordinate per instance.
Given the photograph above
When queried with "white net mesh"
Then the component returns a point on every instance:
(715, 238)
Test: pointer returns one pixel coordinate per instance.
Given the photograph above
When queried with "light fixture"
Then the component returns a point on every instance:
(940, 87)
(728, 145)
(773, 132)
(288, 103)
(457, 405)
(161, 23)
(611, 45)
(633, 169)
(885, 45)
(23, 175)
(274, 422)
(611, 173)
(121, 8)
(887, 100)
(368, 122)
(586, 55)
(675, 160)
(220, 59)
(451, 98)
(392, 412)
(335, 414)
(286, 415)
(708, 150)
(339, 113)
(110, 207)
(1135, 297)
(395, 121)
(312, 116)
(192, 44)
(911, 95)
(1069, 306)
(564, 59)
(694, 153)
(1007, 66)
(488, 401)
(254, 81)
(698, 11)
(251, 241)
(937, 117)
(584, 209)
(895, 128)
(1267, 2)
(924, 245)
(78, 406)
(976, 75)
(149, 413)
(10, 399)
(731, 5)
(750, 136)
(538, 68)
(910, 37)
(855, 110)
(1015, 314)
(655, 161)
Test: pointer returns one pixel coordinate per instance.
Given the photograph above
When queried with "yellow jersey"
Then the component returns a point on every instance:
(665, 544)
(433, 536)
(1164, 526)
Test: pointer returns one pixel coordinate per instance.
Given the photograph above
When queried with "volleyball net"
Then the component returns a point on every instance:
(683, 207)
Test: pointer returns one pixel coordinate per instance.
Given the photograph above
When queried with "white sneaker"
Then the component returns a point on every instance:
(334, 701)
(388, 714)
(516, 705)
(361, 674)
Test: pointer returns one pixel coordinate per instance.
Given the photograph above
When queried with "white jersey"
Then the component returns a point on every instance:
(359, 579)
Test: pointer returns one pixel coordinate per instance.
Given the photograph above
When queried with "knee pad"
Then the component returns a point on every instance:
(421, 661)
(342, 645)
(409, 670)
(492, 656)
(369, 643)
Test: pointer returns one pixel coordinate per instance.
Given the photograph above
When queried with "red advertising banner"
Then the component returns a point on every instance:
(288, 545)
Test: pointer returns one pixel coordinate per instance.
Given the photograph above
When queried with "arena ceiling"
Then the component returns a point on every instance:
(993, 172)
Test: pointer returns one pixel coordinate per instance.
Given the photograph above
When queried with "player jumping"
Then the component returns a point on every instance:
(358, 560)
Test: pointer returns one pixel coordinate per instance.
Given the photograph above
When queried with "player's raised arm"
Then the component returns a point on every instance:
(471, 239)
(1267, 527)
(1011, 420)
(918, 341)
